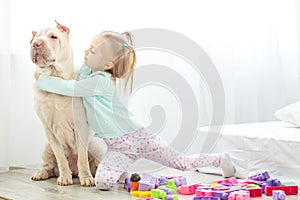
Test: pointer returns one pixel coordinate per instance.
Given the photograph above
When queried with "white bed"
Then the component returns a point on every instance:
(258, 147)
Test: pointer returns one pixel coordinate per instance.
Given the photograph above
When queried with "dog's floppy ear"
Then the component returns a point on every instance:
(62, 28)
(33, 35)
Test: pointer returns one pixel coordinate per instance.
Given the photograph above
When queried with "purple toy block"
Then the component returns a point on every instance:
(168, 191)
(147, 182)
(171, 197)
(278, 195)
(273, 182)
(127, 184)
(260, 177)
(206, 198)
(163, 180)
(223, 195)
(180, 181)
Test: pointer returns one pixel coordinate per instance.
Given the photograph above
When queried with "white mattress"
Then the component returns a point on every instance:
(258, 147)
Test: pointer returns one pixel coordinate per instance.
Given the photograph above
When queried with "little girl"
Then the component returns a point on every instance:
(109, 58)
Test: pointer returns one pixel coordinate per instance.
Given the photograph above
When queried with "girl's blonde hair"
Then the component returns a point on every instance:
(125, 61)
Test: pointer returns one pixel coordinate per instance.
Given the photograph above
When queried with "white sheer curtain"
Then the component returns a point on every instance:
(255, 46)
(5, 84)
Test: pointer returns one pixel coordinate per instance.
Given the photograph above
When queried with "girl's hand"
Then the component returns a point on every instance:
(36, 75)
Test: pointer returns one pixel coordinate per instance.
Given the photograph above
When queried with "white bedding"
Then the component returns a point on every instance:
(258, 147)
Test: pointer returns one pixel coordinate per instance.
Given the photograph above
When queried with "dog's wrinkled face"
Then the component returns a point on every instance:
(48, 46)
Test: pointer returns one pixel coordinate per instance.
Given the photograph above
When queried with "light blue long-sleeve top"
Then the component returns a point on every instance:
(106, 115)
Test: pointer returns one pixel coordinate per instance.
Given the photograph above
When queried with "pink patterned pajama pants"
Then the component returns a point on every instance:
(123, 151)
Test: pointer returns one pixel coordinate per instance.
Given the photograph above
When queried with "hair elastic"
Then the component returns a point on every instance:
(124, 46)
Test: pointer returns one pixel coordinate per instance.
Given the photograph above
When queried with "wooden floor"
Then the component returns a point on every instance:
(17, 184)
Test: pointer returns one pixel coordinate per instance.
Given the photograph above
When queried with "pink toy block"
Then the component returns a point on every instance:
(288, 189)
(187, 189)
(230, 181)
(244, 181)
(204, 193)
(278, 195)
(239, 195)
(221, 188)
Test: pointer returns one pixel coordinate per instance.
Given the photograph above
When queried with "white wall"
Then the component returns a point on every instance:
(239, 37)
(5, 86)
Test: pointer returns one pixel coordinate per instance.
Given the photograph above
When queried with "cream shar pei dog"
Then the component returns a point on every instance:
(72, 150)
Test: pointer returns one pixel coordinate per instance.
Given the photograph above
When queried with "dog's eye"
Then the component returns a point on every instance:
(53, 37)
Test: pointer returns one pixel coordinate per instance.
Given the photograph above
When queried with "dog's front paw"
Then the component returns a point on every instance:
(87, 181)
(64, 180)
(40, 175)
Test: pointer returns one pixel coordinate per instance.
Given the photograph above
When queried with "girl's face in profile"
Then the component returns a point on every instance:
(97, 56)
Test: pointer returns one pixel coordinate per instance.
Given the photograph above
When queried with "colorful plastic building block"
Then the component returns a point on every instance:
(127, 184)
(147, 182)
(204, 186)
(163, 180)
(239, 195)
(157, 193)
(142, 194)
(222, 188)
(206, 198)
(180, 181)
(260, 177)
(134, 186)
(168, 191)
(134, 182)
(223, 194)
(204, 193)
(230, 181)
(213, 185)
(288, 189)
(187, 189)
(171, 185)
(273, 182)
(278, 195)
(254, 191)
(171, 197)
